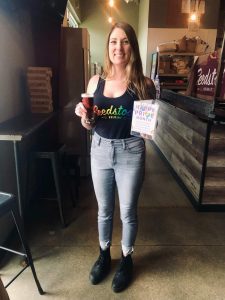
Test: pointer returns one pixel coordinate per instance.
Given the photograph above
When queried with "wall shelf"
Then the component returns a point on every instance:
(172, 69)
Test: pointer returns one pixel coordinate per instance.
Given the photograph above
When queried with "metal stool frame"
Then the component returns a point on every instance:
(54, 159)
(8, 204)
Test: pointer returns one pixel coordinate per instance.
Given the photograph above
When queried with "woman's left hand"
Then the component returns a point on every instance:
(146, 136)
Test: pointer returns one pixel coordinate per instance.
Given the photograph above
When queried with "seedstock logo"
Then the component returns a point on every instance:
(206, 77)
(113, 112)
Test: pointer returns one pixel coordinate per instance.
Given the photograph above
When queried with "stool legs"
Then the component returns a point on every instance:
(72, 175)
(58, 190)
(19, 227)
(75, 184)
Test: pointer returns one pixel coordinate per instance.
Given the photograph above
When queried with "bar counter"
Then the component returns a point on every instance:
(192, 140)
(22, 128)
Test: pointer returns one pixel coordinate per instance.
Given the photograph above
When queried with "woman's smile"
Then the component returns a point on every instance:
(119, 47)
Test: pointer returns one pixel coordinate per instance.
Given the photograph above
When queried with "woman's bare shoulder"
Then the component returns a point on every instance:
(149, 82)
(92, 84)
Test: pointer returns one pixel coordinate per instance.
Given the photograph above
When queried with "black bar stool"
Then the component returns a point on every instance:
(8, 204)
(53, 154)
(71, 173)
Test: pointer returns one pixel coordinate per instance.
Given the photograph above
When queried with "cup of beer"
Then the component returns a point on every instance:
(88, 102)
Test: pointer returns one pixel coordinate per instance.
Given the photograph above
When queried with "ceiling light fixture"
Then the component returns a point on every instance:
(193, 17)
(110, 19)
(135, 1)
(189, 6)
(111, 3)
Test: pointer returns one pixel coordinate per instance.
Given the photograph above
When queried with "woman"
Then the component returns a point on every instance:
(117, 158)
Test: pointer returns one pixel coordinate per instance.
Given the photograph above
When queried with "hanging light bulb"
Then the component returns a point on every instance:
(193, 17)
(111, 3)
(110, 19)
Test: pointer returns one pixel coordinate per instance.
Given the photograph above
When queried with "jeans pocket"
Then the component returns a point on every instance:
(94, 144)
(136, 147)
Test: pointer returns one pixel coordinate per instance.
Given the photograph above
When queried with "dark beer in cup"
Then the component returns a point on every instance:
(88, 102)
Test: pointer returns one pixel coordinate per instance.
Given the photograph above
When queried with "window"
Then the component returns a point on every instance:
(72, 19)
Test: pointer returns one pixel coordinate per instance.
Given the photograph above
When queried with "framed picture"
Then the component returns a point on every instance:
(154, 65)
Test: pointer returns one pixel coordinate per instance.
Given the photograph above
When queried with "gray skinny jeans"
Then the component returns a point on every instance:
(117, 163)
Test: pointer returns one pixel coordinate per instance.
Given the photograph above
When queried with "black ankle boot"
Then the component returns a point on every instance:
(123, 274)
(101, 267)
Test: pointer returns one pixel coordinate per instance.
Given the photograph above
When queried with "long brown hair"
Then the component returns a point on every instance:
(135, 78)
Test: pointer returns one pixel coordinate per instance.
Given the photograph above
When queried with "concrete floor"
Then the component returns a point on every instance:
(179, 252)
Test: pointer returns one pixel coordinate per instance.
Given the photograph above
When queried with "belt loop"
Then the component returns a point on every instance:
(99, 140)
(124, 145)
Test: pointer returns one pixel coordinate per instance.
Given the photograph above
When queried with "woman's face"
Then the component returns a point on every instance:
(119, 47)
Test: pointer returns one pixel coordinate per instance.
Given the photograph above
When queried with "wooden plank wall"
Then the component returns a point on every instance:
(181, 138)
(214, 186)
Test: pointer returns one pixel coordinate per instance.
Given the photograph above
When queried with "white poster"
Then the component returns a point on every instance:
(144, 118)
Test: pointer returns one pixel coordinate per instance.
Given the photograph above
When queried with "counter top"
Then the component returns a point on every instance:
(203, 109)
(17, 128)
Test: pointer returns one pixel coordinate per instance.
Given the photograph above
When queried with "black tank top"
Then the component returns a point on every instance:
(114, 115)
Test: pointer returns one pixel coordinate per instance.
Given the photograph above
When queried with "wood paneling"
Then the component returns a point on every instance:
(214, 195)
(181, 138)
(174, 9)
(214, 186)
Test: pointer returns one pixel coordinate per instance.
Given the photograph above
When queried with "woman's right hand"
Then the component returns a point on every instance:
(80, 110)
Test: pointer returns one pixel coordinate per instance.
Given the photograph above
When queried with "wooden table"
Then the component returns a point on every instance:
(16, 130)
